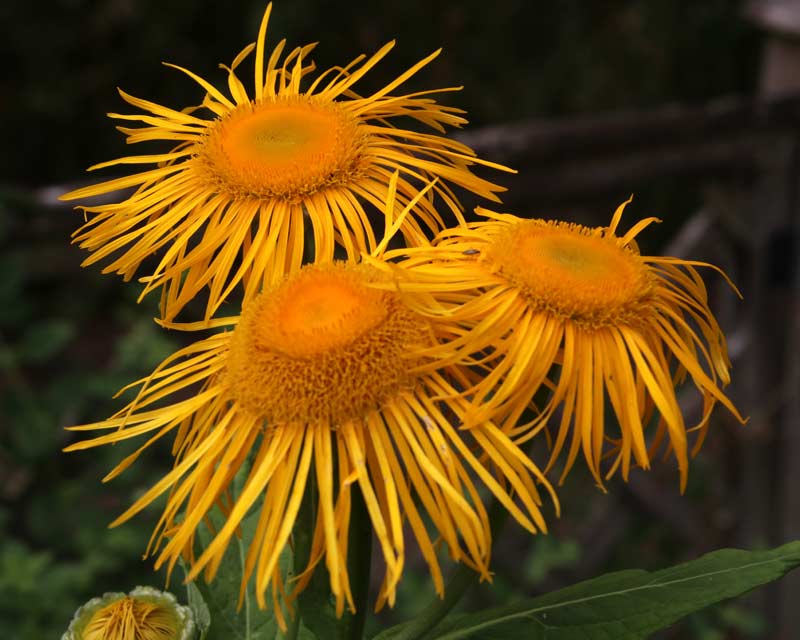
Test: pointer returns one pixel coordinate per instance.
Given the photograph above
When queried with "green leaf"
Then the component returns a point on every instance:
(202, 616)
(221, 595)
(627, 605)
(316, 607)
(228, 621)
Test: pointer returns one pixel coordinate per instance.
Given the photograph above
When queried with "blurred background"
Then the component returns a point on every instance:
(692, 106)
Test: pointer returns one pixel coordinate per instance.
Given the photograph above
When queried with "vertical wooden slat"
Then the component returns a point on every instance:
(780, 296)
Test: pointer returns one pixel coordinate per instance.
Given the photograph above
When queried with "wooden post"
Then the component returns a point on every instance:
(777, 330)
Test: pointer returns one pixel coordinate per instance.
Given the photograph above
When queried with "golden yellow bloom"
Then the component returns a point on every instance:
(229, 202)
(322, 377)
(143, 614)
(578, 311)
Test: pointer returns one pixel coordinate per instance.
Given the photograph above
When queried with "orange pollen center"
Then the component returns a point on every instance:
(574, 272)
(324, 346)
(284, 148)
(320, 314)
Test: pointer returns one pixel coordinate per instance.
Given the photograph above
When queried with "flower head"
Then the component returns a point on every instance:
(229, 203)
(578, 311)
(323, 376)
(143, 614)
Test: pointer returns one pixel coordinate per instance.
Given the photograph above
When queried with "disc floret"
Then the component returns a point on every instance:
(578, 273)
(324, 346)
(284, 147)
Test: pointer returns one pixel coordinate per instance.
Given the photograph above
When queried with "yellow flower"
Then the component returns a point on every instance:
(580, 312)
(143, 614)
(229, 202)
(322, 377)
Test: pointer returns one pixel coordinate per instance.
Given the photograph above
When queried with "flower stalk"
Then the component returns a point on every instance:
(359, 563)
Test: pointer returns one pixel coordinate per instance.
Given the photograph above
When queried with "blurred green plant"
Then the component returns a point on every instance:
(66, 346)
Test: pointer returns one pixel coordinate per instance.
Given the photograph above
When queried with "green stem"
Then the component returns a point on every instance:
(461, 580)
(359, 559)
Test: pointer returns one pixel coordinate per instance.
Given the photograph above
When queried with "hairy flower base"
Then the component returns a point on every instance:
(549, 305)
(229, 203)
(314, 342)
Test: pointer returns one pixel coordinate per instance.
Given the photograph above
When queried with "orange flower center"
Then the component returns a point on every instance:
(321, 313)
(574, 272)
(323, 346)
(284, 148)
